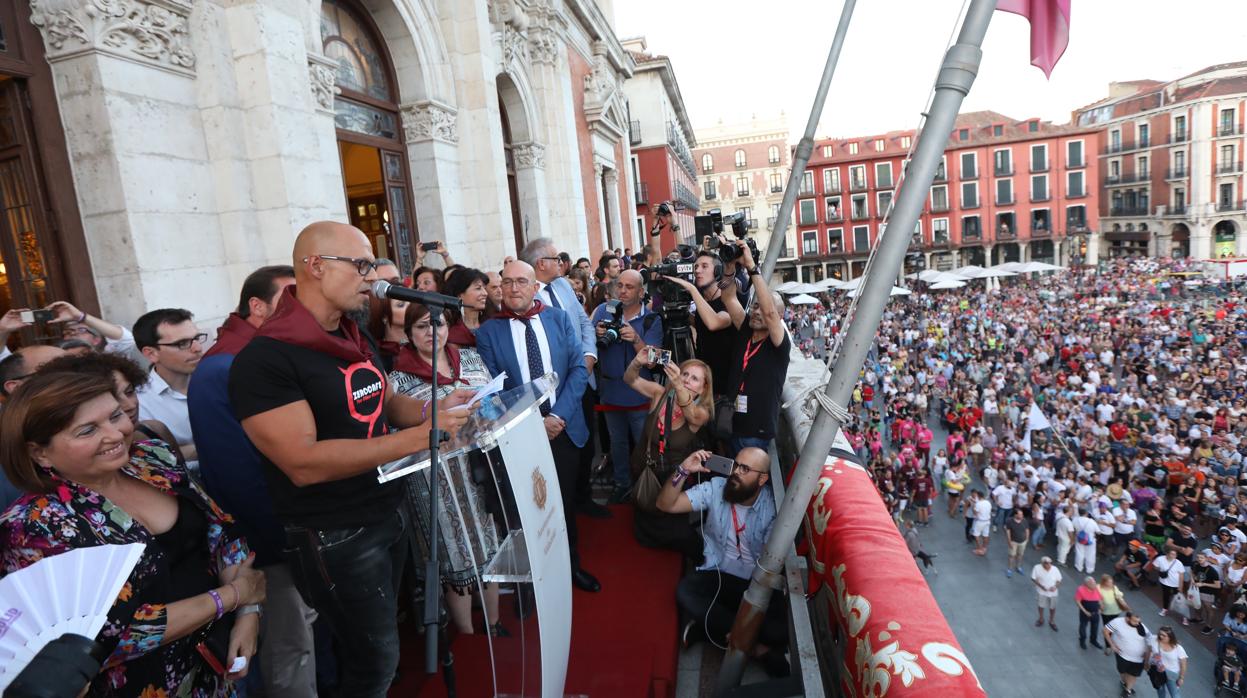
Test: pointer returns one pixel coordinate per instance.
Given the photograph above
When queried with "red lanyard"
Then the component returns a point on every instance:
(738, 526)
(750, 351)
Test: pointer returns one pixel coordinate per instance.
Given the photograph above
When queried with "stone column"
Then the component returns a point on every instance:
(431, 134)
(598, 169)
(618, 227)
(1201, 239)
(530, 163)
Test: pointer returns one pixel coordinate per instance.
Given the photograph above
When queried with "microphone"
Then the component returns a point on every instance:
(384, 289)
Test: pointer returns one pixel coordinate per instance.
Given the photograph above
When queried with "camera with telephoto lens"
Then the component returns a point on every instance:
(614, 324)
(710, 229)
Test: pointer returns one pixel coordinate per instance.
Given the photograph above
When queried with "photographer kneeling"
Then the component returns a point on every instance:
(624, 328)
(739, 515)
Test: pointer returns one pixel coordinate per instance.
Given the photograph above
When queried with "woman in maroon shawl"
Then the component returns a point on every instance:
(471, 287)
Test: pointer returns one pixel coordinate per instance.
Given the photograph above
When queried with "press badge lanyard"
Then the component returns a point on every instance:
(750, 352)
(739, 527)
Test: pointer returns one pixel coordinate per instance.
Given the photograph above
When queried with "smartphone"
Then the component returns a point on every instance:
(720, 465)
(42, 315)
(428, 246)
(660, 357)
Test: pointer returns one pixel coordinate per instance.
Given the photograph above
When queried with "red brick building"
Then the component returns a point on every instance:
(1007, 190)
(1172, 162)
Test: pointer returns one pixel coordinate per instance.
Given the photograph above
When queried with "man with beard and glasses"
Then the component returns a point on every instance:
(313, 399)
(739, 511)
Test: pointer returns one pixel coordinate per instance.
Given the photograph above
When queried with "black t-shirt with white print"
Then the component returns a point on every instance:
(346, 400)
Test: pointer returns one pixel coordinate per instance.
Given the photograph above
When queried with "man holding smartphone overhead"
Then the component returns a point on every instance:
(739, 511)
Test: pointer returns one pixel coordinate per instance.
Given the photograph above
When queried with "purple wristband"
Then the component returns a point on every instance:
(216, 599)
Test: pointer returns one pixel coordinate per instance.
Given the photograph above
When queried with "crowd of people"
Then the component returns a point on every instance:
(248, 465)
(1099, 413)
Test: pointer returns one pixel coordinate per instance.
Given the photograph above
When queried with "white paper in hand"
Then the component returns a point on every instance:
(493, 386)
(239, 664)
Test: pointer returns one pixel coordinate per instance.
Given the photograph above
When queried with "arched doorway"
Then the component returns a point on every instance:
(1224, 239)
(1180, 241)
(513, 188)
(370, 141)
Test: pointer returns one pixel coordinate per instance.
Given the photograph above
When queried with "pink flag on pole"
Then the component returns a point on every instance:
(1049, 28)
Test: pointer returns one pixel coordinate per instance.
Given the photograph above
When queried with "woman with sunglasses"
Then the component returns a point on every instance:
(673, 430)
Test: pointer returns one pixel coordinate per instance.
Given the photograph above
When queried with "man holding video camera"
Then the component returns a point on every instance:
(624, 328)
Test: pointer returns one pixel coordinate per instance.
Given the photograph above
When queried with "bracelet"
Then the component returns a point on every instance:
(216, 599)
(424, 411)
(680, 474)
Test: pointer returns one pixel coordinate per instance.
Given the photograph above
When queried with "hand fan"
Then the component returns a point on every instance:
(67, 593)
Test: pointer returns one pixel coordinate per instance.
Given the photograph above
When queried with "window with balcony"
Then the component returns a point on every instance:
(835, 240)
(1074, 154)
(831, 208)
(1225, 160)
(1039, 158)
(883, 175)
(1145, 136)
(1179, 200)
(861, 239)
(969, 194)
(1039, 187)
(939, 231)
(1114, 141)
(831, 180)
(1225, 197)
(772, 155)
(808, 213)
(742, 186)
(1006, 226)
(1179, 128)
(1004, 192)
(884, 201)
(1142, 168)
(709, 190)
(970, 229)
(1003, 162)
(939, 198)
(1075, 218)
(807, 183)
(969, 165)
(1040, 222)
(777, 182)
(1115, 204)
(707, 162)
(809, 242)
(1075, 184)
(1114, 171)
(1227, 123)
(1179, 163)
(857, 177)
(861, 209)
(740, 157)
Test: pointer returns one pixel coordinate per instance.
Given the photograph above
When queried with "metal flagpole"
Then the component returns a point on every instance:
(806, 146)
(957, 73)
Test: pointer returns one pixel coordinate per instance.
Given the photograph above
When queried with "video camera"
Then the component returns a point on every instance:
(709, 229)
(681, 268)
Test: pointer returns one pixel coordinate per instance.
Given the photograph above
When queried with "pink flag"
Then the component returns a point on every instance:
(1049, 28)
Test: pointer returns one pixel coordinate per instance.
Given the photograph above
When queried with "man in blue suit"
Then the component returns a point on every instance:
(527, 340)
(554, 291)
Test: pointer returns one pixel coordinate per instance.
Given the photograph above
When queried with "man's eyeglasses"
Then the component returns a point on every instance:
(556, 260)
(184, 344)
(737, 465)
(518, 283)
(363, 266)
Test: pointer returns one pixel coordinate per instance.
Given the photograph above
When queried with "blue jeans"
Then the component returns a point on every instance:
(741, 442)
(1037, 536)
(624, 428)
(1170, 687)
(1001, 516)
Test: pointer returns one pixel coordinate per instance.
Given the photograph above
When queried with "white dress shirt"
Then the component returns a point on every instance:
(164, 404)
(521, 346)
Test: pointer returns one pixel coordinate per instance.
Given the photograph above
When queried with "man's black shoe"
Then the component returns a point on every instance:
(593, 510)
(585, 581)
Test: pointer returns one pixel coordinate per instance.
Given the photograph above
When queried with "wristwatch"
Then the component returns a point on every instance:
(249, 609)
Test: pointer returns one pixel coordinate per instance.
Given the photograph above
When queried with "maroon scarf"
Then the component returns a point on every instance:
(293, 323)
(461, 335)
(232, 336)
(410, 361)
(507, 313)
(389, 348)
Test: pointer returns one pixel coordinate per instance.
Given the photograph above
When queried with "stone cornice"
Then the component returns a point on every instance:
(323, 78)
(149, 32)
(430, 121)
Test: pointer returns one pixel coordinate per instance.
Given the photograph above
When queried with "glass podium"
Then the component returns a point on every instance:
(501, 518)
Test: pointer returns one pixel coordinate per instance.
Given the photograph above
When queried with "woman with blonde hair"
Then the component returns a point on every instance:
(673, 429)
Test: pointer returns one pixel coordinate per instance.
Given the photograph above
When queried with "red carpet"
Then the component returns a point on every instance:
(624, 639)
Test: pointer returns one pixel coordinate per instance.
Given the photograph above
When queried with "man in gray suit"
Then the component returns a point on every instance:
(555, 290)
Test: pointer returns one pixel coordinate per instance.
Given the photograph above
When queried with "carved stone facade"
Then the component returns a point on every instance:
(206, 133)
(152, 31)
(430, 121)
